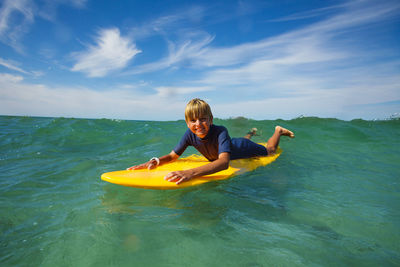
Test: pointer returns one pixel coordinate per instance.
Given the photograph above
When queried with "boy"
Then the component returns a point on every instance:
(213, 142)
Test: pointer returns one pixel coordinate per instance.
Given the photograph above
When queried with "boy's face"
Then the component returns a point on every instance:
(200, 126)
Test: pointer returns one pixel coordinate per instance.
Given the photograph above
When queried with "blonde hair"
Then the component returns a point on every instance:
(197, 108)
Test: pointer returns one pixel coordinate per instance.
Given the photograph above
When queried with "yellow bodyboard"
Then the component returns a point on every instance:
(154, 179)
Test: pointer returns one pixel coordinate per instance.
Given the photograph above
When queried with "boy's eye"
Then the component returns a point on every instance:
(199, 119)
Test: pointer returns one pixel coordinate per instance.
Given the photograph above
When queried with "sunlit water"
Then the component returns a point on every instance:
(331, 199)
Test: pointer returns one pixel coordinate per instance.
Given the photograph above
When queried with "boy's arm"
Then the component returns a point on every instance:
(151, 164)
(220, 164)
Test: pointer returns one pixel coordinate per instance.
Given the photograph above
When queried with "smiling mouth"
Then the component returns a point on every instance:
(201, 131)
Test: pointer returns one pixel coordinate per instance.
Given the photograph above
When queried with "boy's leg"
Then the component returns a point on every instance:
(273, 142)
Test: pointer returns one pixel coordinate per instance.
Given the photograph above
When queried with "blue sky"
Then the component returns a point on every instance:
(144, 60)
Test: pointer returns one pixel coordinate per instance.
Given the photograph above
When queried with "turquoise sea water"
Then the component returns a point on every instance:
(331, 199)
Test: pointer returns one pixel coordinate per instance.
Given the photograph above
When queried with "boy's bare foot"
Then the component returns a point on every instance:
(284, 131)
(251, 133)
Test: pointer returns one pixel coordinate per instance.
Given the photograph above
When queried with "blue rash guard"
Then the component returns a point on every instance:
(218, 141)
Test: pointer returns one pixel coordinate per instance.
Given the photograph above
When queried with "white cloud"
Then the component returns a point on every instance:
(8, 79)
(11, 33)
(47, 9)
(314, 43)
(17, 16)
(111, 52)
(309, 44)
(18, 97)
(169, 24)
(345, 103)
(311, 13)
(12, 65)
(170, 91)
(78, 3)
(363, 99)
(356, 14)
(178, 53)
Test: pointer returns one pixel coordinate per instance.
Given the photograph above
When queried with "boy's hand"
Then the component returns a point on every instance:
(220, 164)
(152, 164)
(179, 176)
